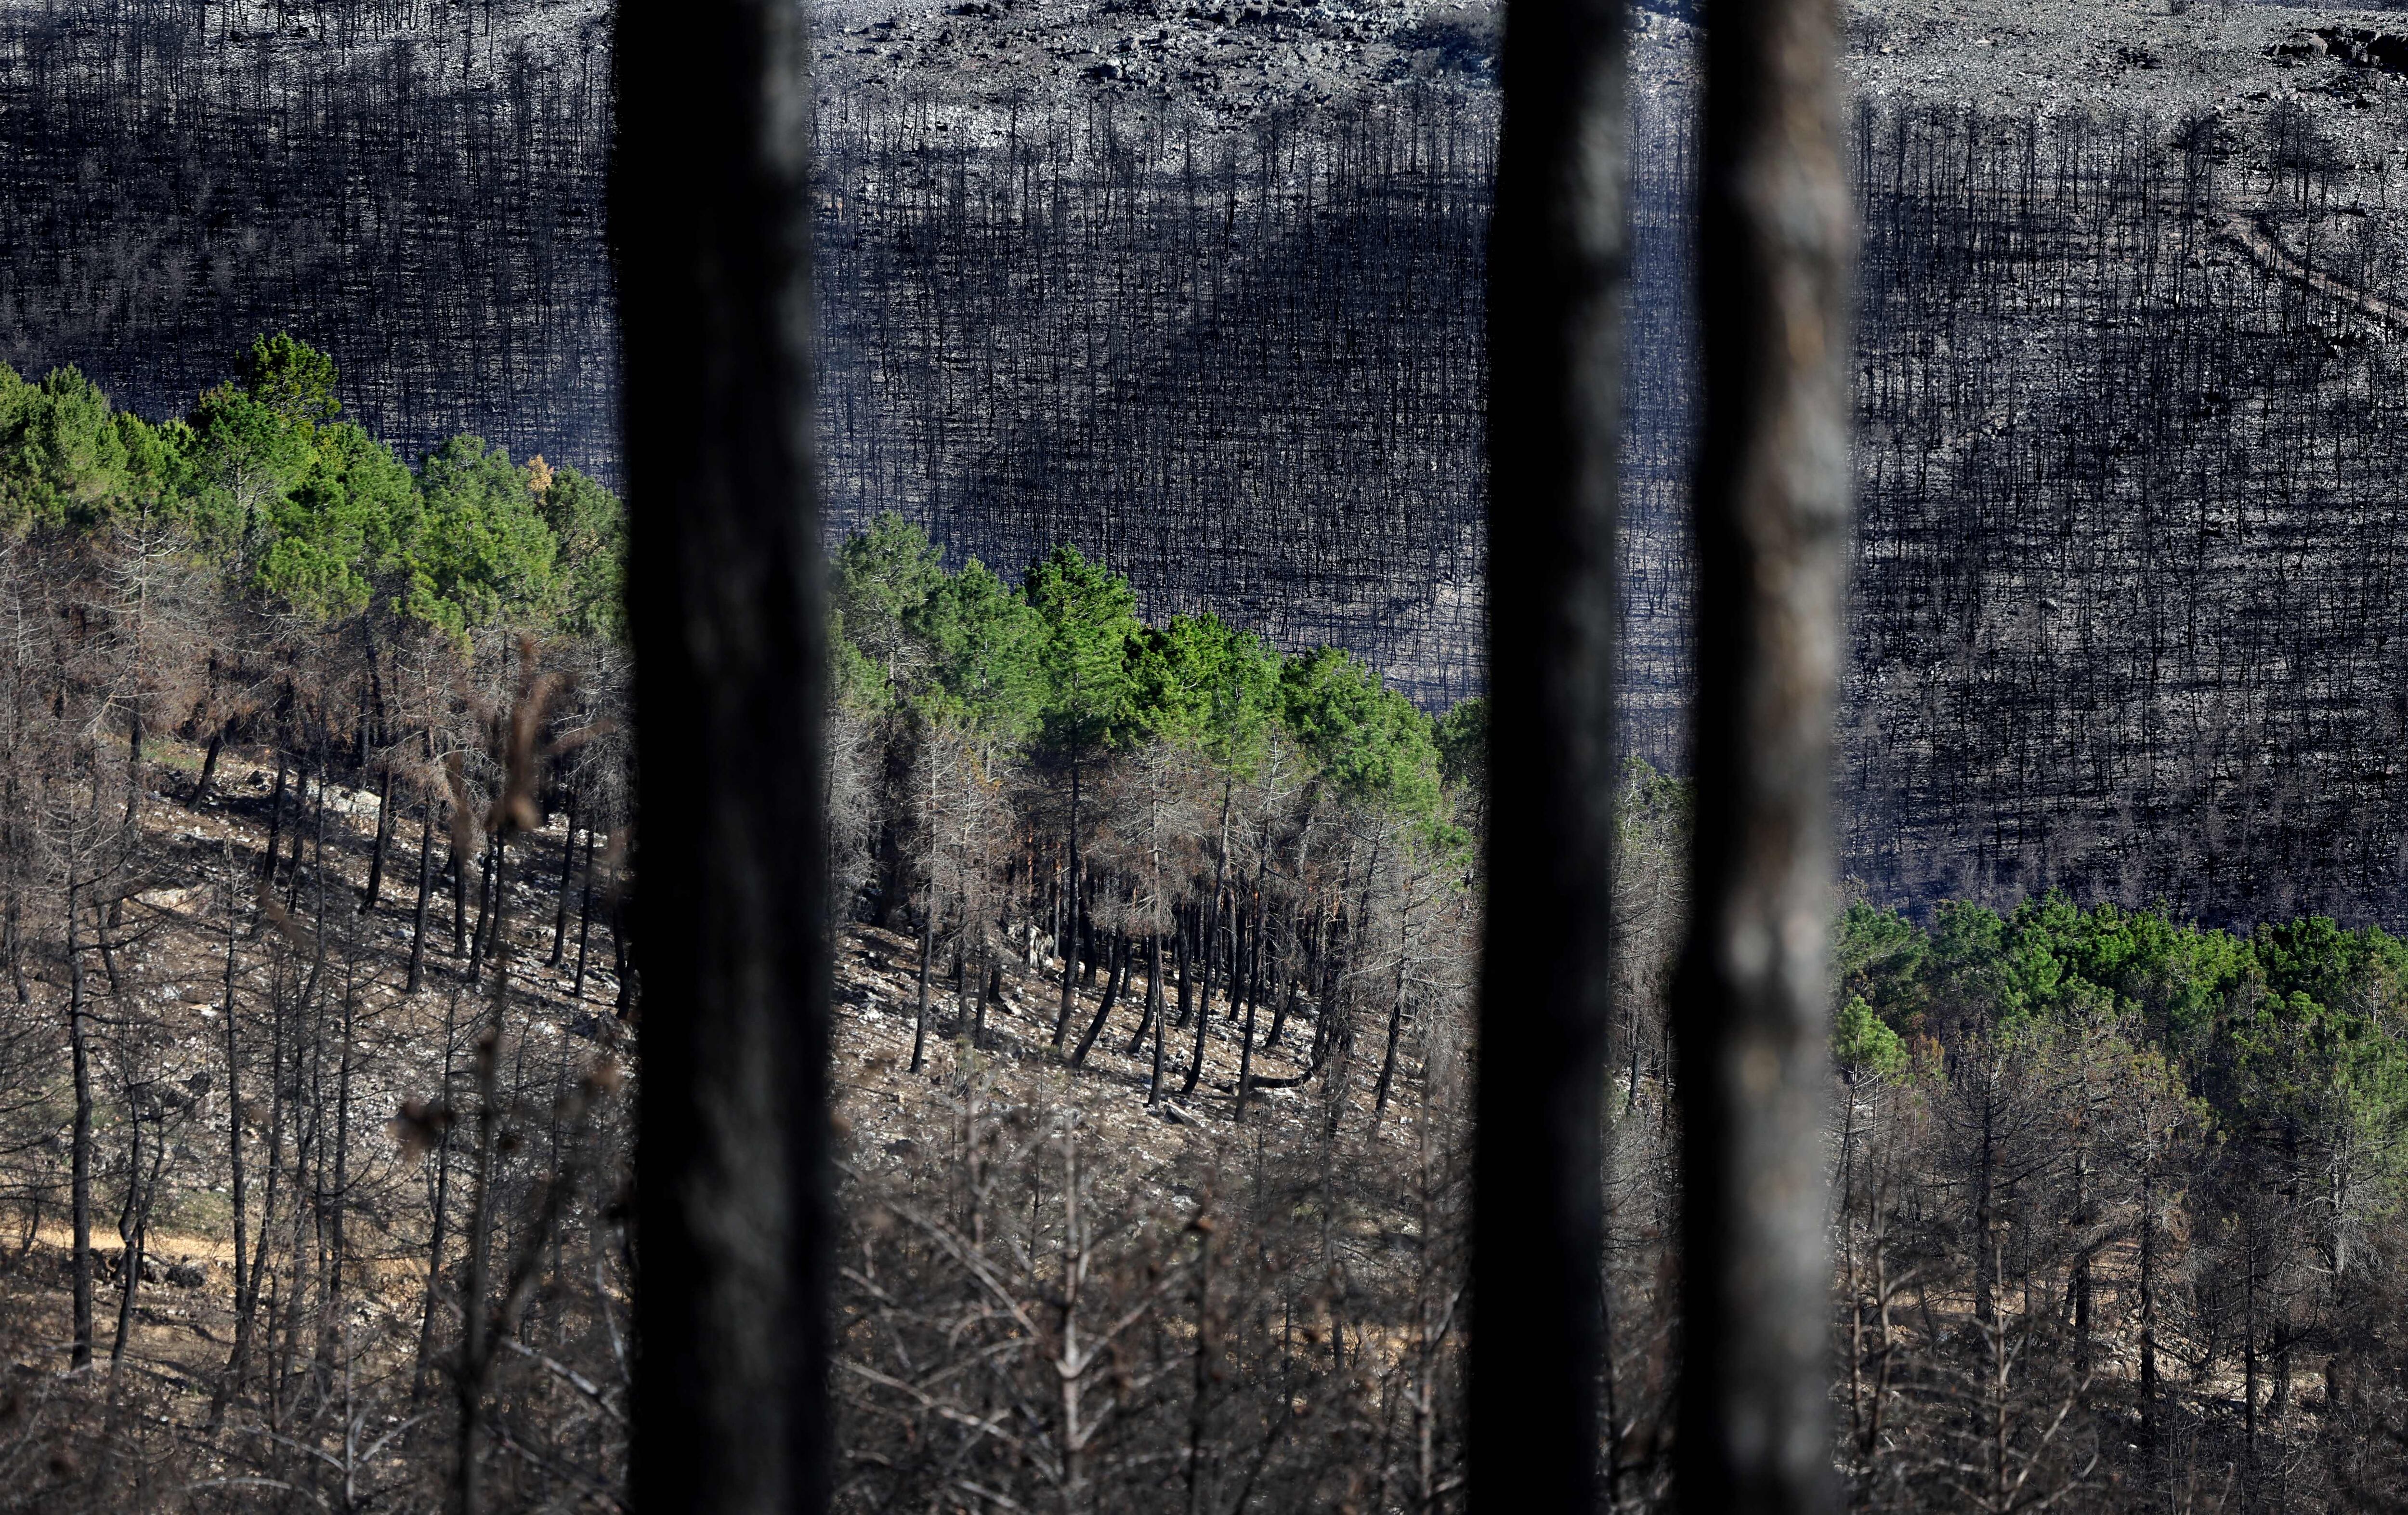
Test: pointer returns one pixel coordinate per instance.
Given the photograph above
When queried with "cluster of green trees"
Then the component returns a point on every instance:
(2296, 1021)
(1061, 666)
(303, 514)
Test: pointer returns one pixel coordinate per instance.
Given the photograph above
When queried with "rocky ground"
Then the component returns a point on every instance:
(1240, 57)
(2348, 69)
(975, 63)
(1244, 56)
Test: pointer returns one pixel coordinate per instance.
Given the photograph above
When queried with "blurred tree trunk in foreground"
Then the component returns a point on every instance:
(1753, 1006)
(709, 221)
(1559, 258)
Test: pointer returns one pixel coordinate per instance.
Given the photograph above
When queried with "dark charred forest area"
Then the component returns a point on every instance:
(2122, 597)
(416, 188)
(1244, 367)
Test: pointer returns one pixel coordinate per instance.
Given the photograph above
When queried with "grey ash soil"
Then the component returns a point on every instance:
(900, 1131)
(2121, 55)
(876, 999)
(242, 41)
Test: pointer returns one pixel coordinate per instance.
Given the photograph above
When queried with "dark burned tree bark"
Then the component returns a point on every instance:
(709, 225)
(1117, 949)
(238, 1194)
(920, 1017)
(375, 886)
(562, 895)
(80, 1151)
(425, 886)
(1773, 488)
(1558, 260)
(584, 922)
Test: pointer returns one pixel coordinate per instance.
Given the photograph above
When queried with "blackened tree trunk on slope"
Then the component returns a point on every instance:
(1771, 505)
(709, 226)
(1558, 261)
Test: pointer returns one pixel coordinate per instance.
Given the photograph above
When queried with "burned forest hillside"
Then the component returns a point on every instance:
(1199, 291)
(413, 187)
(1153, 1035)
(2127, 387)
(323, 886)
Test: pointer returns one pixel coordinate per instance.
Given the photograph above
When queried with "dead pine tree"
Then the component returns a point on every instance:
(84, 845)
(79, 1052)
(487, 1322)
(426, 887)
(238, 1193)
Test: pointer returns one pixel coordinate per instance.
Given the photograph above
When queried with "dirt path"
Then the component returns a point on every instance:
(2280, 261)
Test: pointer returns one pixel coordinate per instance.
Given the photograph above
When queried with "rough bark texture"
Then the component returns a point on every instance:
(1557, 263)
(709, 224)
(1753, 1006)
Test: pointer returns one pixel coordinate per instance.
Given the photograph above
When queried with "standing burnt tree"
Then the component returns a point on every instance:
(707, 218)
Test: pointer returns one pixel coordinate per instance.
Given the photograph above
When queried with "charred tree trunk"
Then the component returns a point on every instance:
(80, 1151)
(300, 812)
(1186, 984)
(13, 941)
(560, 896)
(480, 940)
(133, 1232)
(1772, 490)
(1557, 262)
(1161, 1014)
(458, 867)
(622, 951)
(208, 767)
(709, 220)
(920, 1017)
(1279, 1016)
(384, 839)
(584, 922)
(2148, 1291)
(970, 993)
(425, 888)
(1069, 936)
(1246, 1058)
(275, 821)
(439, 1122)
(1118, 951)
(247, 1290)
(1203, 1024)
(1388, 1059)
(238, 1189)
